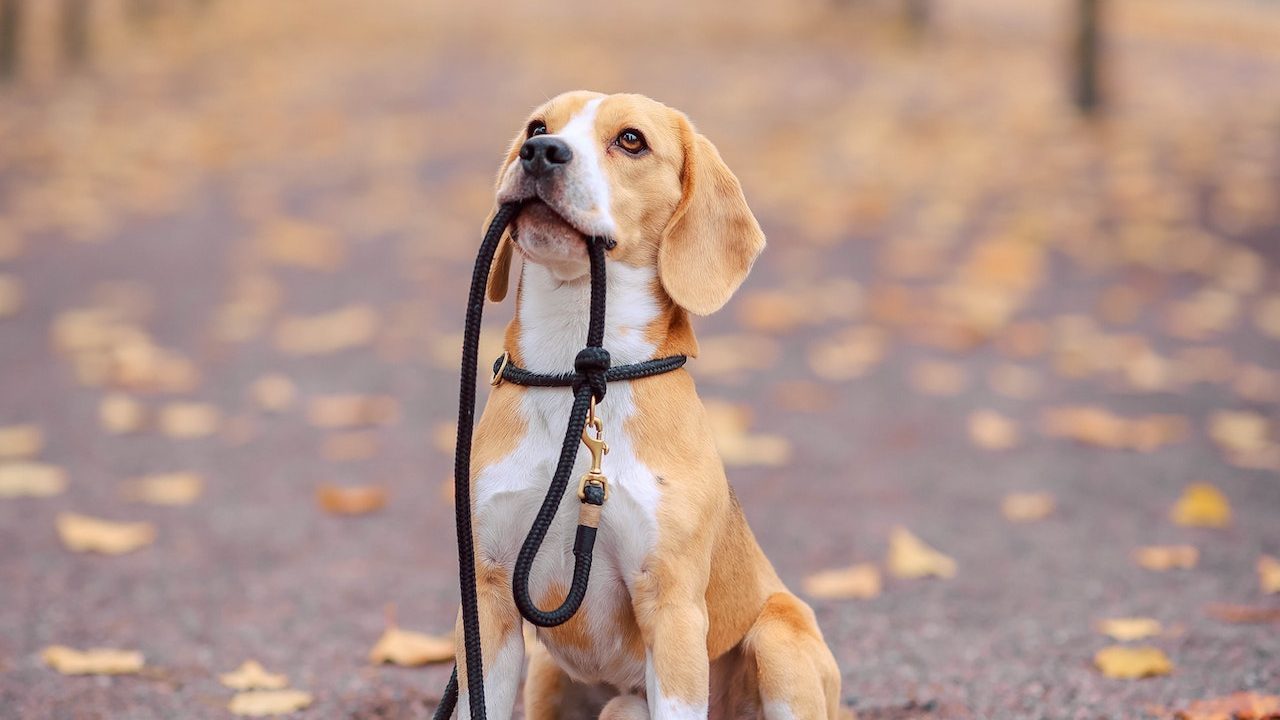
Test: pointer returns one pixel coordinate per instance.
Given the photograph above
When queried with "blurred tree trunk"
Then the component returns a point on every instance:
(10, 20)
(1087, 59)
(75, 31)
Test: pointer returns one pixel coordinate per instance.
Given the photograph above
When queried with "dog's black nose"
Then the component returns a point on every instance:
(541, 154)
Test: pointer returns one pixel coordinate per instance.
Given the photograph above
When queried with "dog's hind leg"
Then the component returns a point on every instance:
(798, 676)
(545, 686)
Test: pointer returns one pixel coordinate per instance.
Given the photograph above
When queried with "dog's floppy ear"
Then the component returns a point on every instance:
(712, 239)
(500, 270)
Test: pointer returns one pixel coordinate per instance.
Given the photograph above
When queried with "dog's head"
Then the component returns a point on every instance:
(633, 170)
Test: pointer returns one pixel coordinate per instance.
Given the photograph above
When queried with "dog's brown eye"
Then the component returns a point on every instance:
(537, 127)
(632, 141)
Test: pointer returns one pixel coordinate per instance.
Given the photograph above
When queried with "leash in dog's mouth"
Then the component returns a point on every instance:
(590, 379)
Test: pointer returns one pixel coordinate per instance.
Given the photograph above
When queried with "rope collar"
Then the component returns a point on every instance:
(505, 370)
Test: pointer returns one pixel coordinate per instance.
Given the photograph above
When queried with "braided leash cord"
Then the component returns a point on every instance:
(462, 475)
(589, 382)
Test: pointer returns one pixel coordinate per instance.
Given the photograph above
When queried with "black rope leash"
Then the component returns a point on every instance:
(590, 383)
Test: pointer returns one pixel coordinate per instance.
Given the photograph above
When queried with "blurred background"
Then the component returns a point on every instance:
(1008, 369)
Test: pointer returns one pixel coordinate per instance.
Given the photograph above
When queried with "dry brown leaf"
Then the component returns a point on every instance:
(31, 479)
(1096, 426)
(411, 649)
(274, 393)
(1131, 663)
(935, 377)
(1167, 557)
(252, 676)
(910, 557)
(296, 242)
(1027, 507)
(118, 413)
(19, 442)
(849, 353)
(349, 327)
(990, 430)
(1243, 614)
(263, 703)
(1239, 431)
(81, 533)
(1126, 629)
(347, 411)
(729, 425)
(180, 488)
(1256, 384)
(189, 419)
(1267, 316)
(351, 445)
(94, 661)
(772, 310)
(341, 500)
(1269, 574)
(1202, 505)
(1238, 706)
(857, 582)
(10, 295)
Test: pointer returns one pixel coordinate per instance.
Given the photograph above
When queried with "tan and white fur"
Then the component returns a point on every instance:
(684, 616)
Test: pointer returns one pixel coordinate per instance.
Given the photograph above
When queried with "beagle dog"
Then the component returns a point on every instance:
(684, 615)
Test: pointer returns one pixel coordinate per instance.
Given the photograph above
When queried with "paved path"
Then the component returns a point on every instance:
(945, 238)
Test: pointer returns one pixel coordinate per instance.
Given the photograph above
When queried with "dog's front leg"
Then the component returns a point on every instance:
(502, 645)
(672, 614)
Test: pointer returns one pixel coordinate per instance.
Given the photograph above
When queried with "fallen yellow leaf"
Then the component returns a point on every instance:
(849, 353)
(274, 393)
(348, 327)
(252, 676)
(296, 242)
(359, 500)
(181, 488)
(30, 479)
(1202, 505)
(1269, 574)
(19, 442)
(859, 582)
(1167, 557)
(1096, 426)
(189, 419)
(94, 661)
(262, 703)
(990, 430)
(1027, 507)
(81, 533)
(1130, 663)
(445, 437)
(1126, 629)
(1267, 316)
(1238, 431)
(910, 557)
(410, 649)
(118, 413)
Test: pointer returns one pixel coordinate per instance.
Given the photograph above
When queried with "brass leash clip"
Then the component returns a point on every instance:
(599, 448)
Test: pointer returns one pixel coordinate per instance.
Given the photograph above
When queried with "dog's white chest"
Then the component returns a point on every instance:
(508, 495)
